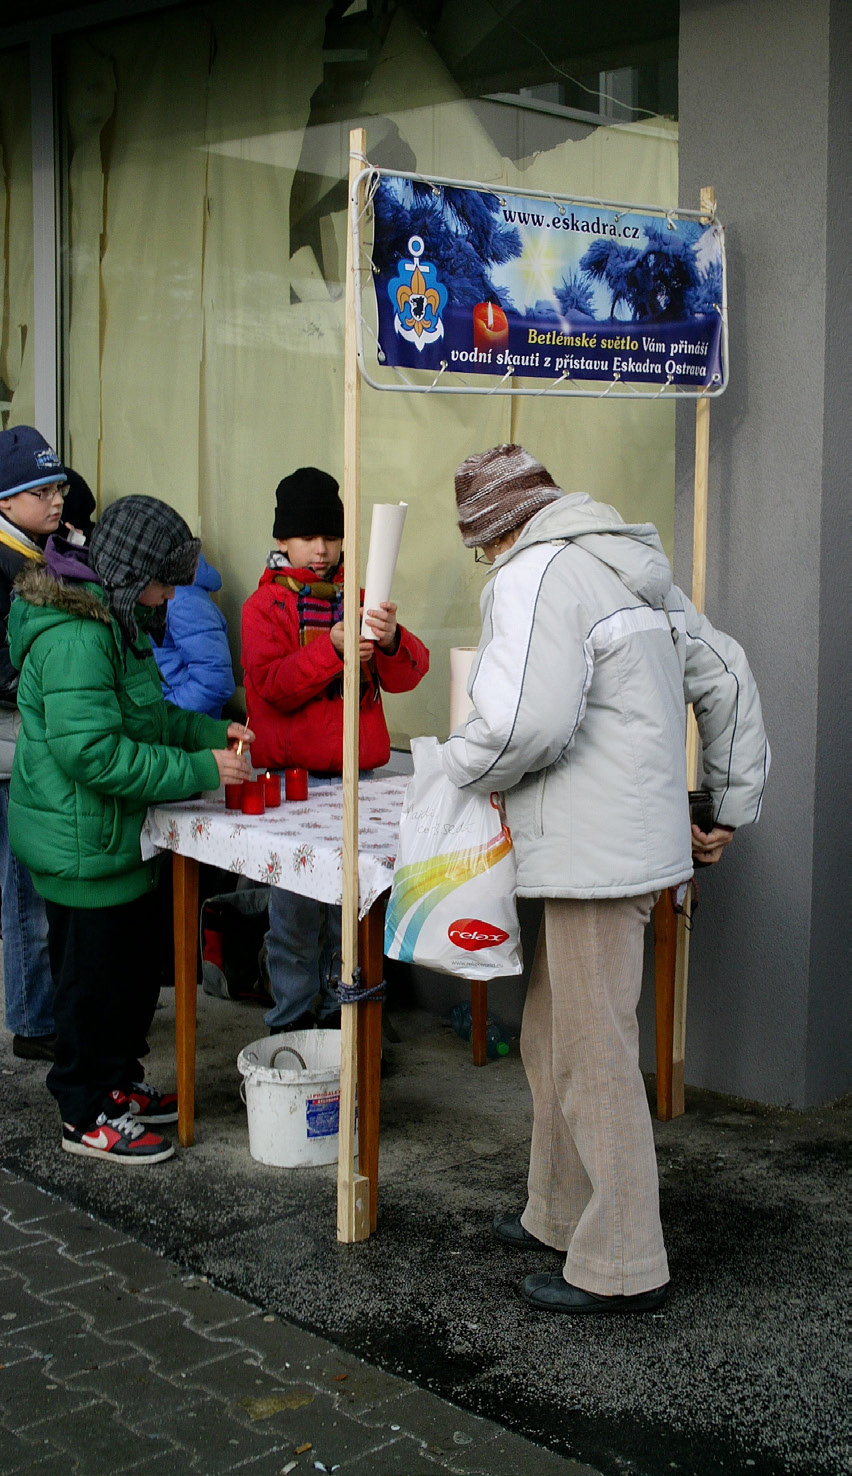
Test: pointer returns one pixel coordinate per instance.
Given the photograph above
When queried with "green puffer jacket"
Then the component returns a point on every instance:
(97, 745)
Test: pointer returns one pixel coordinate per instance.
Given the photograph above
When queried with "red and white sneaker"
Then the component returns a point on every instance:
(146, 1103)
(122, 1139)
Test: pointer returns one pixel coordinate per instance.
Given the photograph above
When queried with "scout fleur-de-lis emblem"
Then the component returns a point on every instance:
(418, 298)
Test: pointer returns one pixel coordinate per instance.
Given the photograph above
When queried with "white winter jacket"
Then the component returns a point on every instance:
(587, 658)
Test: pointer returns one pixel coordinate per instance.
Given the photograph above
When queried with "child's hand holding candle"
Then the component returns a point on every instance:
(233, 767)
(240, 736)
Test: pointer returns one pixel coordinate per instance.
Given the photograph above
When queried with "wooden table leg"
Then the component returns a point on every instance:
(185, 886)
(478, 1018)
(665, 948)
(371, 931)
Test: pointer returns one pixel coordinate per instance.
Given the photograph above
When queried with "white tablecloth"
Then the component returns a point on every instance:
(297, 846)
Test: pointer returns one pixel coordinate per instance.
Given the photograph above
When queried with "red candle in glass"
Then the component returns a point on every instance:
(296, 784)
(254, 797)
(272, 789)
(234, 796)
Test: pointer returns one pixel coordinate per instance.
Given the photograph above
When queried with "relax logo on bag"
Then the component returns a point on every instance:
(472, 934)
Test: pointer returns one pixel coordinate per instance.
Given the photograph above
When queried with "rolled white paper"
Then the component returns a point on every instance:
(385, 538)
(461, 661)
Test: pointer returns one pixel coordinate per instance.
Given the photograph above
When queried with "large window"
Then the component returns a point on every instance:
(207, 152)
(16, 173)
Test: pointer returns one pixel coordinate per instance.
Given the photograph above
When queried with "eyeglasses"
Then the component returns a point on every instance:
(47, 494)
(479, 556)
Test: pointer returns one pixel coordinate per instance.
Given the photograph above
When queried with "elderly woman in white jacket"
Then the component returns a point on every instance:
(588, 656)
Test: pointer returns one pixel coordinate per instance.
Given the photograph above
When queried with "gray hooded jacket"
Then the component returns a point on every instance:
(580, 691)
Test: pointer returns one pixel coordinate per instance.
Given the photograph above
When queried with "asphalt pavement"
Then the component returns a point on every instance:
(200, 1315)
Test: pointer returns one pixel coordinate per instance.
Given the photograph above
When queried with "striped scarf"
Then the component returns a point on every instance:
(319, 604)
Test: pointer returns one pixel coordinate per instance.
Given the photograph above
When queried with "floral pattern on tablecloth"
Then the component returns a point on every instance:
(296, 846)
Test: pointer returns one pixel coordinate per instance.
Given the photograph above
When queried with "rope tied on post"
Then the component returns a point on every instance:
(355, 992)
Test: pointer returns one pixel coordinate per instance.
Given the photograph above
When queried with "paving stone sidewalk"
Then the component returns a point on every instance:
(113, 1360)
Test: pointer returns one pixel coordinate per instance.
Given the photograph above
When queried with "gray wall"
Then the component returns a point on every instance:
(760, 94)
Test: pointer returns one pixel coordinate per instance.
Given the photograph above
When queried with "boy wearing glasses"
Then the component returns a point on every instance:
(32, 488)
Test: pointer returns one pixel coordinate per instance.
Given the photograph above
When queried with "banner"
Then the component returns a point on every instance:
(481, 283)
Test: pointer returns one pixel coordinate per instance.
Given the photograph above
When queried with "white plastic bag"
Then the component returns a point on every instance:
(452, 902)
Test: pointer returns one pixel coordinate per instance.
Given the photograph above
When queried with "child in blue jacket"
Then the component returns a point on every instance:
(194, 658)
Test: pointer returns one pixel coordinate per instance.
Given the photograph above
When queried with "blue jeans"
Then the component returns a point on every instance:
(27, 979)
(302, 954)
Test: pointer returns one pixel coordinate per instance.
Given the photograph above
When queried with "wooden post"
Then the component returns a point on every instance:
(353, 1196)
(371, 937)
(478, 1019)
(699, 579)
(185, 905)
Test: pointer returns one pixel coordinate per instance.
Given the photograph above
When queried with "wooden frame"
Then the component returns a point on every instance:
(353, 1198)
(671, 931)
(367, 1034)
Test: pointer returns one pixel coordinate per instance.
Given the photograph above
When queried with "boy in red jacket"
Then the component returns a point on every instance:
(292, 654)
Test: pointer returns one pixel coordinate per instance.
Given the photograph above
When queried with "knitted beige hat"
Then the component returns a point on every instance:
(498, 490)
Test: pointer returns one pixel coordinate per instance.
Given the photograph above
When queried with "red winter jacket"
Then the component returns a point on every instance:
(294, 696)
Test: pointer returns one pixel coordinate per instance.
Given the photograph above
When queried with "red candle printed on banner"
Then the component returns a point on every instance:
(254, 799)
(296, 784)
(272, 789)
(490, 326)
(234, 796)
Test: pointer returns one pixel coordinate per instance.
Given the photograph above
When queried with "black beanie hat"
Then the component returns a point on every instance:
(79, 502)
(307, 504)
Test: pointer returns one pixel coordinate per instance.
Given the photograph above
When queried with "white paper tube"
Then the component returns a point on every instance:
(461, 661)
(385, 538)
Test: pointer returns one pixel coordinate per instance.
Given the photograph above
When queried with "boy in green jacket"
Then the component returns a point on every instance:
(98, 745)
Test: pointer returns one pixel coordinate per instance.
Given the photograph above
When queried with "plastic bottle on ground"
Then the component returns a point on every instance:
(497, 1039)
(497, 1035)
(461, 1019)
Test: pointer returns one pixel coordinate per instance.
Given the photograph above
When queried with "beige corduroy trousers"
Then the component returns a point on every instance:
(593, 1187)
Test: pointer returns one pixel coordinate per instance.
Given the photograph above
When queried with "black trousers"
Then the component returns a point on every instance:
(108, 964)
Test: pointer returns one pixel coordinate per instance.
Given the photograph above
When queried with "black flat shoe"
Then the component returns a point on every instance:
(306, 1021)
(34, 1047)
(509, 1231)
(553, 1294)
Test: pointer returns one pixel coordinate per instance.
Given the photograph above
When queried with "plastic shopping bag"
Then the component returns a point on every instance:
(452, 902)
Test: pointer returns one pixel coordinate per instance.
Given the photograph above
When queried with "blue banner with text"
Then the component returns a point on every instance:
(492, 283)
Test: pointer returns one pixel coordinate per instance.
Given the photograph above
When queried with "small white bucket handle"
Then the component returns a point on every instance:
(280, 1050)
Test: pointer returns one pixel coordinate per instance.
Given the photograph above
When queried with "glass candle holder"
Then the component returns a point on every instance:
(296, 784)
(272, 790)
(254, 797)
(234, 796)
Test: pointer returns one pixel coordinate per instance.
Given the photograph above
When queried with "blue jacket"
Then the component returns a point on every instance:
(194, 659)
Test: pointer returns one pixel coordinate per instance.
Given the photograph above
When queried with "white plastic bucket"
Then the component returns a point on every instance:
(291, 1088)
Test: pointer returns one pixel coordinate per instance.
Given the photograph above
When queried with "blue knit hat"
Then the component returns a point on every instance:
(26, 461)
